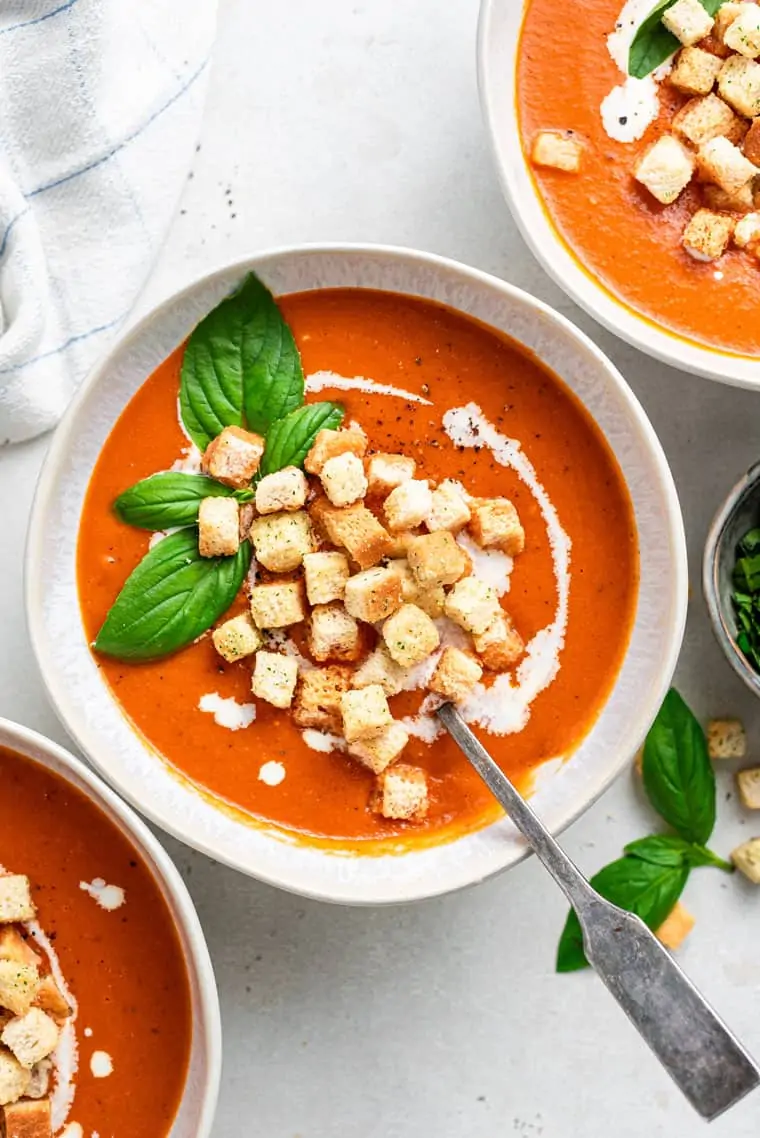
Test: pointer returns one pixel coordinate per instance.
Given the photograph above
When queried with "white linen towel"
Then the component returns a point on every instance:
(100, 108)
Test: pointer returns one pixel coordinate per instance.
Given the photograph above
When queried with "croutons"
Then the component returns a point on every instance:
(16, 899)
(51, 999)
(748, 782)
(18, 986)
(379, 751)
(329, 444)
(233, 457)
(277, 605)
(275, 678)
(365, 712)
(399, 542)
(218, 527)
(237, 638)
(558, 150)
(410, 635)
(380, 668)
(430, 598)
(719, 201)
(723, 163)
(39, 1084)
(333, 634)
(688, 21)
(743, 33)
(317, 701)
(13, 946)
(373, 594)
(707, 235)
(358, 531)
(14, 1079)
(501, 645)
(455, 675)
(747, 231)
(246, 514)
(751, 145)
(325, 575)
(449, 509)
(739, 85)
(746, 858)
(401, 793)
(676, 927)
(495, 525)
(695, 71)
(282, 540)
(724, 18)
(701, 120)
(665, 168)
(387, 471)
(286, 489)
(436, 559)
(408, 505)
(726, 739)
(31, 1037)
(472, 604)
(343, 479)
(28, 1120)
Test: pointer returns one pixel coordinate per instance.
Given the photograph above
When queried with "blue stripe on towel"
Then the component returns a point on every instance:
(62, 347)
(39, 19)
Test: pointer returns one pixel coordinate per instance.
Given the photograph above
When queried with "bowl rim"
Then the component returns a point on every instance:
(562, 265)
(280, 877)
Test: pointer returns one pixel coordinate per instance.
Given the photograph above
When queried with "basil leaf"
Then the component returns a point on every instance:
(290, 439)
(653, 43)
(750, 543)
(164, 500)
(661, 849)
(700, 855)
(677, 772)
(273, 383)
(172, 596)
(641, 887)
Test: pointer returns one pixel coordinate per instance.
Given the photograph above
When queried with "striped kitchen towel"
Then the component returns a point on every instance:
(100, 108)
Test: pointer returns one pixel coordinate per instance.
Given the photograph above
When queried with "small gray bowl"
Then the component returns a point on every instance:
(739, 513)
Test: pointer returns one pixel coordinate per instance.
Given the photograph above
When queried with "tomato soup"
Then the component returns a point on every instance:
(116, 947)
(416, 375)
(621, 235)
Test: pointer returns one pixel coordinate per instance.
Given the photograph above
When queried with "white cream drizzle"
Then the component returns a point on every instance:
(109, 897)
(490, 565)
(227, 712)
(321, 379)
(190, 462)
(323, 741)
(632, 106)
(272, 773)
(101, 1064)
(73, 1130)
(66, 1055)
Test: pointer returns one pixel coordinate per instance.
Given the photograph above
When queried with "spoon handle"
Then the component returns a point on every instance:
(696, 1048)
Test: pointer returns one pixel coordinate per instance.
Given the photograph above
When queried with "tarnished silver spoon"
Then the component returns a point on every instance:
(689, 1038)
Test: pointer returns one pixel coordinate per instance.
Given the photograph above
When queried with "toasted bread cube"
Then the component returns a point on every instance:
(724, 18)
(748, 782)
(387, 471)
(401, 793)
(743, 33)
(436, 559)
(358, 531)
(688, 21)
(676, 927)
(246, 514)
(329, 444)
(746, 858)
(275, 678)
(373, 594)
(282, 540)
(31, 1037)
(51, 999)
(233, 457)
(726, 739)
(495, 525)
(379, 751)
(701, 120)
(325, 575)
(400, 542)
(430, 598)
(747, 231)
(13, 946)
(707, 235)
(410, 636)
(455, 675)
(16, 899)
(237, 638)
(18, 986)
(500, 646)
(277, 605)
(365, 712)
(286, 490)
(343, 479)
(723, 163)
(739, 85)
(751, 145)
(333, 634)
(39, 1083)
(317, 702)
(408, 505)
(695, 71)
(218, 527)
(28, 1120)
(449, 510)
(380, 668)
(558, 150)
(472, 604)
(719, 201)
(14, 1080)
(665, 168)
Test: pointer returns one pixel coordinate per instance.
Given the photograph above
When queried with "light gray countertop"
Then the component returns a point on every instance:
(358, 120)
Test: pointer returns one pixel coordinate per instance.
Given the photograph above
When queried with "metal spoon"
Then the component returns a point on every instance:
(691, 1041)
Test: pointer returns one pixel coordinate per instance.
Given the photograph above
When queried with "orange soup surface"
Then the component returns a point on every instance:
(428, 350)
(124, 966)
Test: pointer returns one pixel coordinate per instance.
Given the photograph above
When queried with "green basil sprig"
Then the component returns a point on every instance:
(172, 597)
(290, 439)
(653, 44)
(746, 596)
(166, 500)
(680, 782)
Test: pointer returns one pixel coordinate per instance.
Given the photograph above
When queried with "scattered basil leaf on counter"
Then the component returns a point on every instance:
(289, 440)
(669, 849)
(653, 44)
(169, 499)
(677, 772)
(273, 383)
(172, 597)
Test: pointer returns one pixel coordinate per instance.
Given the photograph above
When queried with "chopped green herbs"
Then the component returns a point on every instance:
(746, 596)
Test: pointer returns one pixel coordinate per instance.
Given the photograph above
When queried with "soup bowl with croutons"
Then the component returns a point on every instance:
(308, 500)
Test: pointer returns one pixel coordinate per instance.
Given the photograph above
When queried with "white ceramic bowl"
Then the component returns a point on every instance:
(196, 1112)
(498, 40)
(91, 714)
